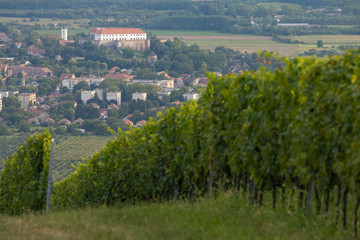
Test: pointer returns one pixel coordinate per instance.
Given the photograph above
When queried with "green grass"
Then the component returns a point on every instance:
(68, 150)
(45, 21)
(189, 33)
(249, 45)
(226, 217)
(329, 39)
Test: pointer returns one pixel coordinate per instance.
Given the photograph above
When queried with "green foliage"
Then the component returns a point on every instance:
(23, 180)
(295, 129)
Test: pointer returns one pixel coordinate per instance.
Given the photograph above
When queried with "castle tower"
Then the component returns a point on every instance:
(64, 34)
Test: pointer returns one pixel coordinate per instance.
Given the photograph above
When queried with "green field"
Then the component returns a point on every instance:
(68, 150)
(253, 43)
(58, 31)
(329, 39)
(45, 21)
(226, 217)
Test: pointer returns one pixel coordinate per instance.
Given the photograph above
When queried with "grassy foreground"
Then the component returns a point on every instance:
(226, 217)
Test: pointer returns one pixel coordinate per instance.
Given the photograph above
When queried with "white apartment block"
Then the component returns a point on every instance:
(100, 93)
(114, 96)
(87, 95)
(4, 94)
(139, 96)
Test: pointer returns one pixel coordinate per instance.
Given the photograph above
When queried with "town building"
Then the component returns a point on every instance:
(139, 96)
(134, 38)
(189, 96)
(4, 37)
(87, 95)
(116, 96)
(64, 34)
(166, 83)
(161, 94)
(29, 72)
(100, 93)
(27, 99)
(35, 51)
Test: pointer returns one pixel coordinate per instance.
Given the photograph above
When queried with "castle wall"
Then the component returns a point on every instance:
(138, 45)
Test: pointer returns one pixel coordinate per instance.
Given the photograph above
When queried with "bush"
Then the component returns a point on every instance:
(23, 181)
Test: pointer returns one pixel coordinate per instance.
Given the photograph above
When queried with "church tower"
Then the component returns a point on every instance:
(64, 34)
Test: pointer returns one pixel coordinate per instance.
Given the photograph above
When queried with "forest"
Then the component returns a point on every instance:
(226, 16)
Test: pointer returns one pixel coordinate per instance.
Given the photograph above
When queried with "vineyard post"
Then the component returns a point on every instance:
(50, 176)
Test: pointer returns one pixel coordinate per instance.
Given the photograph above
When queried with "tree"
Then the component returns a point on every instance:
(320, 43)
(4, 130)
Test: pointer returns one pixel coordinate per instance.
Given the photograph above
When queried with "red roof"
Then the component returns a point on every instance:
(118, 76)
(127, 122)
(64, 42)
(140, 123)
(116, 31)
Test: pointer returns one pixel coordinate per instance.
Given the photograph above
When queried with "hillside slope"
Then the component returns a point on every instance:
(227, 217)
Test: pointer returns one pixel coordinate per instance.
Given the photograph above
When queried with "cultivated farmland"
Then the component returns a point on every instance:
(68, 150)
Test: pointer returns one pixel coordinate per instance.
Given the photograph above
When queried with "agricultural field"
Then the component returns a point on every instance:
(240, 42)
(46, 21)
(68, 150)
(9, 145)
(71, 31)
(329, 39)
(253, 43)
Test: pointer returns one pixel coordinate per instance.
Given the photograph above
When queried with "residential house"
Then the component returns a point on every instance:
(35, 51)
(65, 42)
(166, 83)
(113, 106)
(140, 123)
(118, 76)
(28, 72)
(34, 121)
(128, 122)
(64, 121)
(64, 76)
(43, 115)
(45, 107)
(4, 37)
(103, 114)
(79, 121)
